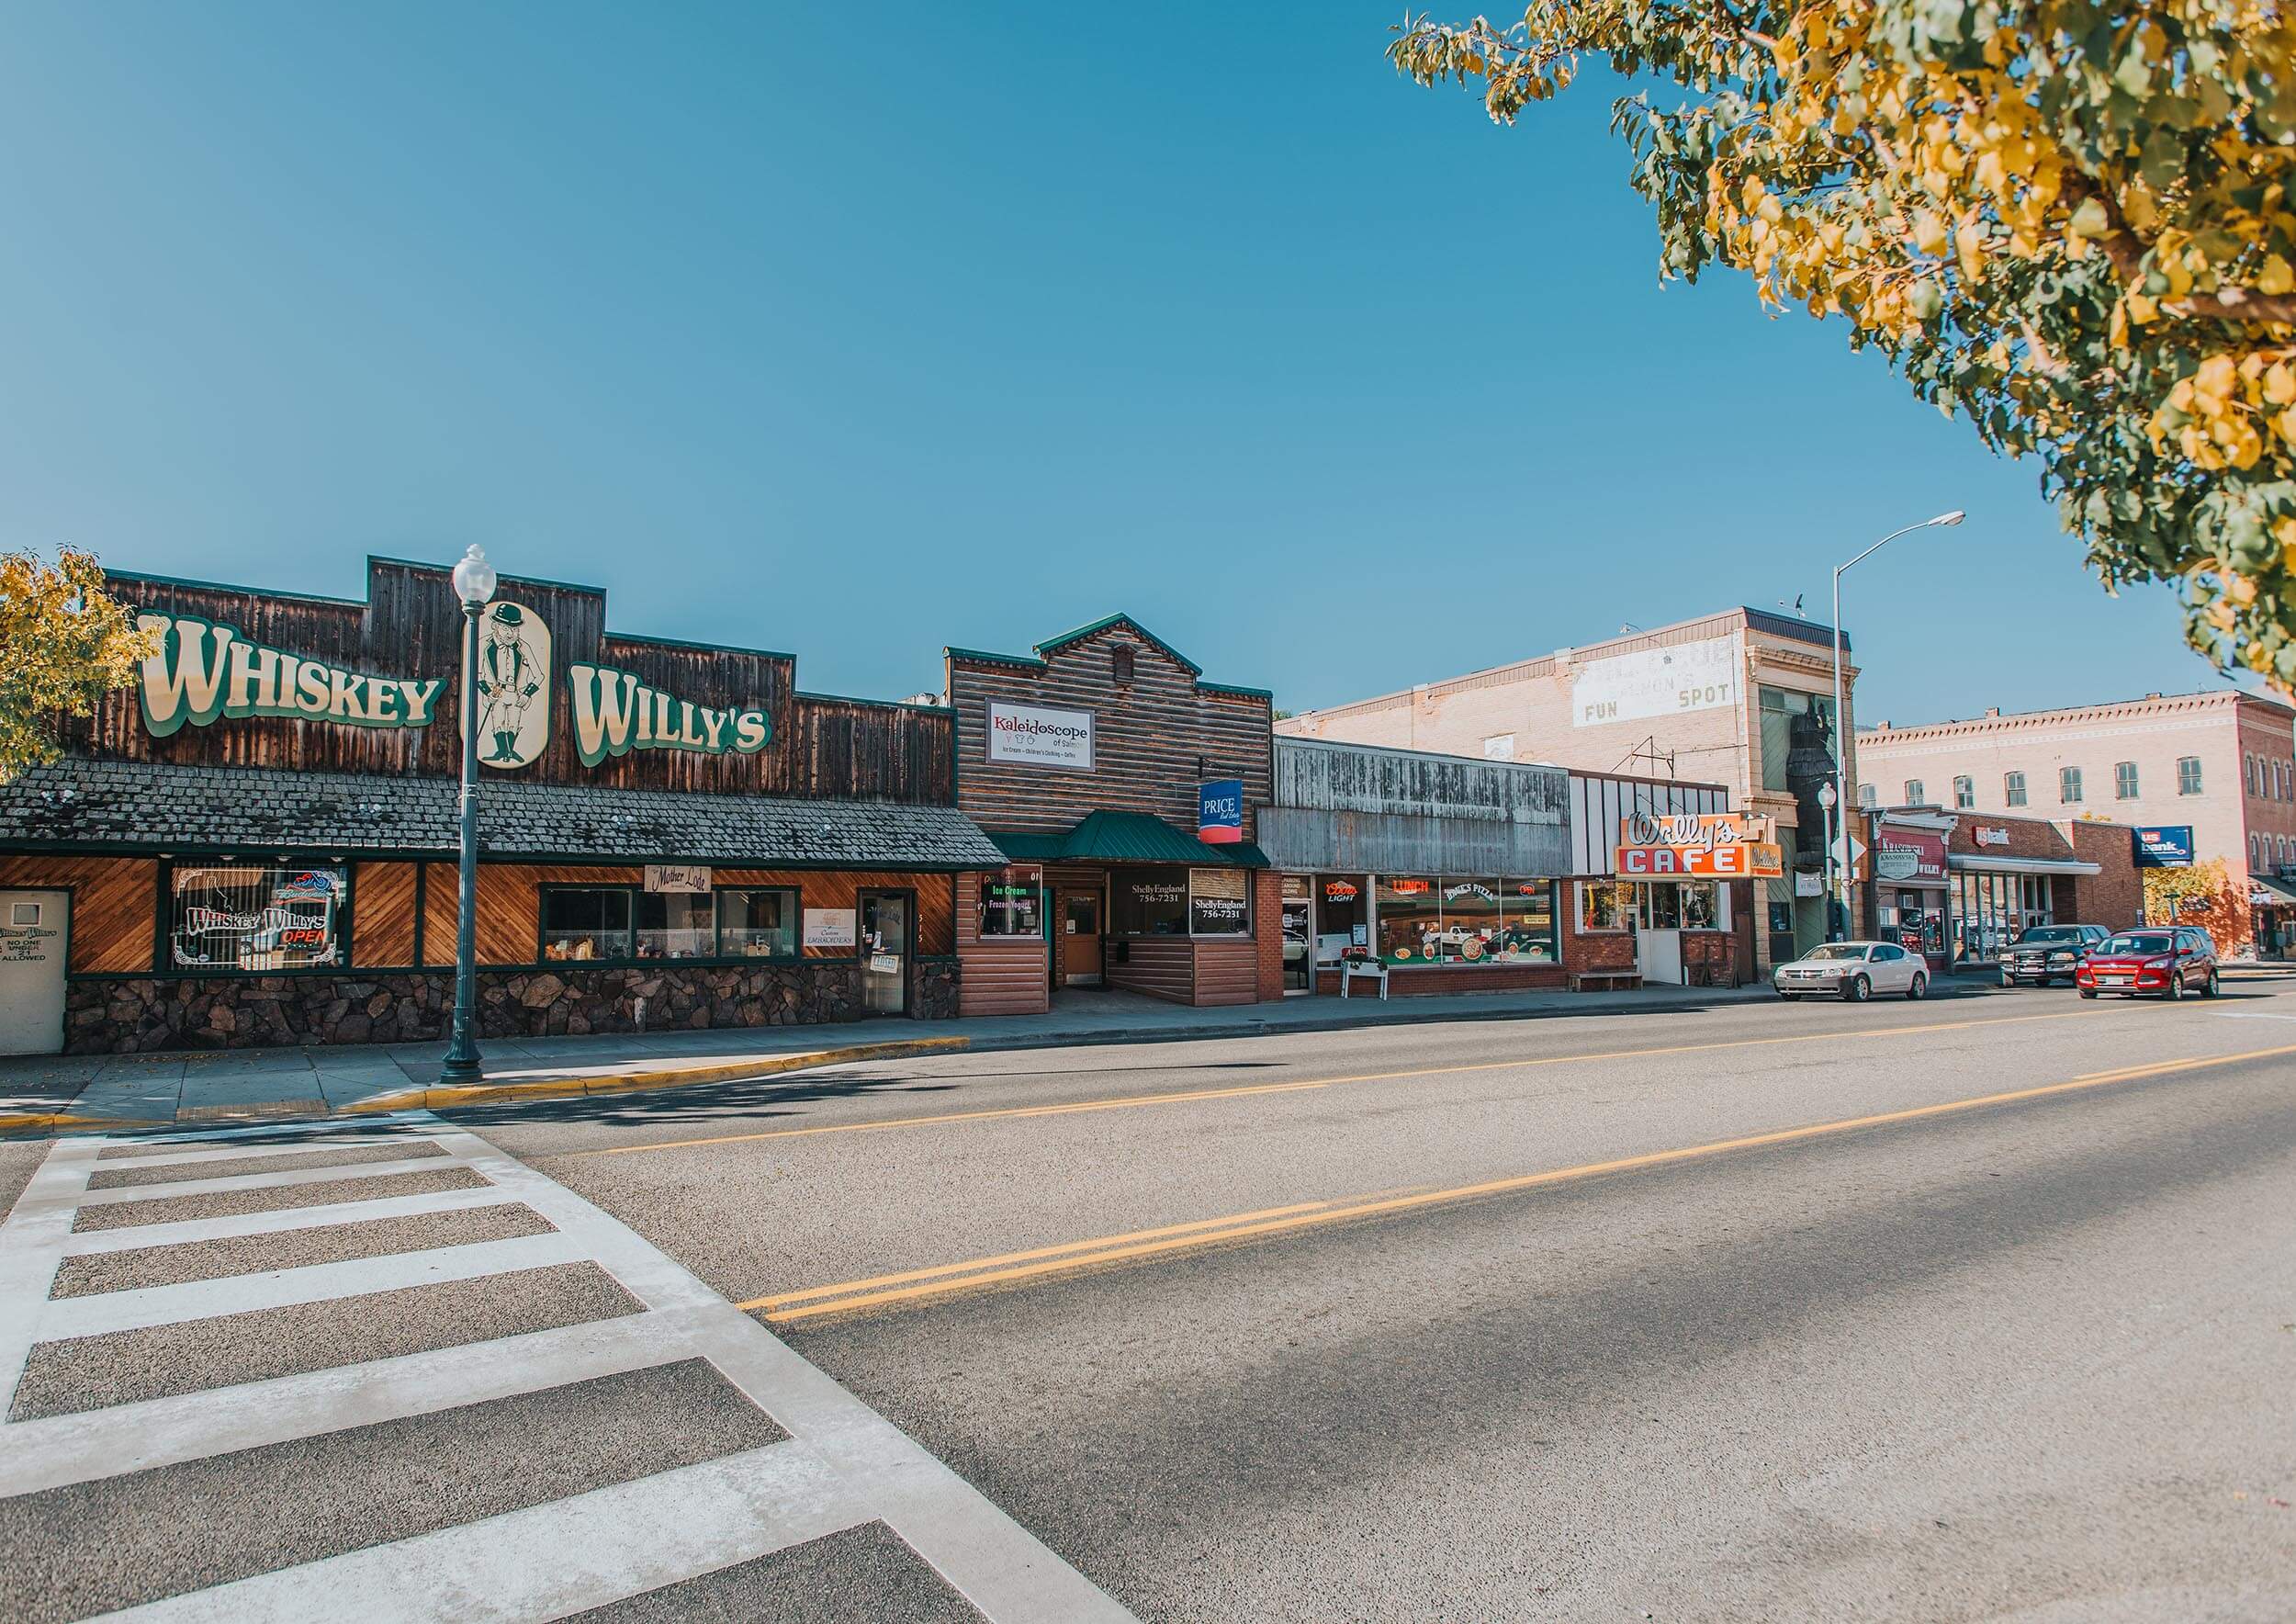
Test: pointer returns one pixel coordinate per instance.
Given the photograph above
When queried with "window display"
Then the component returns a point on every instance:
(586, 923)
(676, 925)
(1467, 921)
(1010, 909)
(1148, 902)
(245, 917)
(757, 924)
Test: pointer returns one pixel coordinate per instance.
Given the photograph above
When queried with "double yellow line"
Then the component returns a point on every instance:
(880, 1290)
(1133, 1101)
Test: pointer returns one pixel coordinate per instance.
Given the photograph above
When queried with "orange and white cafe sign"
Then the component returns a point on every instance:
(1695, 845)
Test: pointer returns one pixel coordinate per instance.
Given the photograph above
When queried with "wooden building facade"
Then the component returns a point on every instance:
(255, 843)
(1122, 789)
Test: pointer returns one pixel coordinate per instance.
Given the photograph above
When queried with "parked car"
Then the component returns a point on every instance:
(1853, 970)
(2164, 961)
(2048, 952)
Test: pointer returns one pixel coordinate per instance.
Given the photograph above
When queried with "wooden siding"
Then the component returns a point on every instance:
(1227, 972)
(115, 907)
(510, 903)
(1000, 975)
(382, 914)
(1162, 967)
(410, 625)
(1149, 736)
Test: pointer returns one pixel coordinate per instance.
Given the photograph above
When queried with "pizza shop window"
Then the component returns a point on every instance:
(237, 916)
(585, 922)
(757, 924)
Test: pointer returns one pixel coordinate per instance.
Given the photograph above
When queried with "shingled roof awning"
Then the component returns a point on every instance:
(123, 806)
(1126, 837)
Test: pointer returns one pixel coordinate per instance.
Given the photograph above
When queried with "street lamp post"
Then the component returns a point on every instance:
(1827, 798)
(474, 584)
(1841, 738)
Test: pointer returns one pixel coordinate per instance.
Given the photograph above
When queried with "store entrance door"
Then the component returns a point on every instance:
(32, 949)
(884, 945)
(1076, 954)
(1299, 935)
(1658, 957)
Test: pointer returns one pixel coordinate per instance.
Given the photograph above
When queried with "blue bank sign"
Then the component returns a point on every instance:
(1219, 811)
(2160, 846)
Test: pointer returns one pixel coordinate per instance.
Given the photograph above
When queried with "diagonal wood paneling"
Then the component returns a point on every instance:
(115, 903)
(382, 914)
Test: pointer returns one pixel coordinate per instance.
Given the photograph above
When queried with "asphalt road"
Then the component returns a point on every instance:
(1977, 1308)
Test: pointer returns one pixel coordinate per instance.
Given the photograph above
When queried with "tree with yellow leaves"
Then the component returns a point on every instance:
(64, 642)
(2068, 222)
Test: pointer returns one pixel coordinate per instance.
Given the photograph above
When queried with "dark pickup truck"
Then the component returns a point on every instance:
(2048, 952)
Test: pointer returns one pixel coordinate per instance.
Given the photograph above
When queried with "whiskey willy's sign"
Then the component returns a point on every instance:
(203, 672)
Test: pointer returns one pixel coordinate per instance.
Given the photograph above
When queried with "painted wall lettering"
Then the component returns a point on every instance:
(616, 713)
(204, 671)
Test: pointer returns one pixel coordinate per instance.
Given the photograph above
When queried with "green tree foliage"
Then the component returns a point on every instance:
(64, 643)
(2068, 222)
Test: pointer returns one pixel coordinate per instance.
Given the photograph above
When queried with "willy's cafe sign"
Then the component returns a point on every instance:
(205, 672)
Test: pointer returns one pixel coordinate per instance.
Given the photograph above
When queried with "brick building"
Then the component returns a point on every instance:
(2222, 763)
(1741, 698)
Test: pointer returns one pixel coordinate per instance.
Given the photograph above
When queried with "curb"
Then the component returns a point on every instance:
(651, 1077)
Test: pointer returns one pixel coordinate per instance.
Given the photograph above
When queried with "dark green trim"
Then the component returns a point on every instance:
(1120, 618)
(449, 855)
(701, 648)
(899, 705)
(1023, 662)
(1267, 693)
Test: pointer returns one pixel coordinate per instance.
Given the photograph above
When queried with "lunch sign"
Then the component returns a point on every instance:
(200, 672)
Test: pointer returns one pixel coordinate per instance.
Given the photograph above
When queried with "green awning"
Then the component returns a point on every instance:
(1125, 837)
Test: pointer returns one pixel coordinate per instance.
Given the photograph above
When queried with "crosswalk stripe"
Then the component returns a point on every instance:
(106, 1311)
(546, 1561)
(232, 1183)
(92, 1444)
(279, 1219)
(243, 1153)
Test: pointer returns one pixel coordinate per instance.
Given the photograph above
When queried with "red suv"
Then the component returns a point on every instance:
(2164, 960)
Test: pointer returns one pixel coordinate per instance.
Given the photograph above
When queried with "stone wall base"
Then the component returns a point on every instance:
(139, 1014)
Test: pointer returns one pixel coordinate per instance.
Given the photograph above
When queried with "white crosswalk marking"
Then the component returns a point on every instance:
(842, 1466)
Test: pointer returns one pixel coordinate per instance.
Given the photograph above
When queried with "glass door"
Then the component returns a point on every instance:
(1298, 934)
(884, 946)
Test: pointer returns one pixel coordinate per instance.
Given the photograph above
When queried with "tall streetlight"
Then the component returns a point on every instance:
(1842, 737)
(474, 584)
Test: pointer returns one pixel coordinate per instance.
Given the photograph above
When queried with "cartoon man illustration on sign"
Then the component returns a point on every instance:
(514, 679)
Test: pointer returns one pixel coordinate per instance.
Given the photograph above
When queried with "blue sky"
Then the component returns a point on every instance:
(858, 332)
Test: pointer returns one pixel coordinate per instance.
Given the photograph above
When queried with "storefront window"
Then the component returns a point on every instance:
(1700, 902)
(1410, 912)
(586, 923)
(757, 924)
(1526, 925)
(676, 925)
(1340, 916)
(1010, 909)
(1215, 902)
(245, 917)
(1468, 932)
(1608, 905)
(1148, 902)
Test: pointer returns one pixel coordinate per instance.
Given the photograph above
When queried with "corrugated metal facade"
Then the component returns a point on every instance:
(1357, 807)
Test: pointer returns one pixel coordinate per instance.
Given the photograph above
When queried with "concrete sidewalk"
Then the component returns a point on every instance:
(47, 1094)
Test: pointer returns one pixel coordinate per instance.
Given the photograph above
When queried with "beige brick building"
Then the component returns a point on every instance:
(2221, 762)
(1741, 698)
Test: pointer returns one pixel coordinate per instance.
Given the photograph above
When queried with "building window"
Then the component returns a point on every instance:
(1777, 708)
(585, 922)
(2189, 775)
(1526, 924)
(1410, 913)
(1463, 920)
(1606, 905)
(1868, 797)
(1148, 902)
(1009, 909)
(1964, 793)
(1218, 902)
(2013, 788)
(1916, 795)
(1120, 663)
(2124, 781)
(676, 925)
(2248, 773)
(2068, 784)
(229, 916)
(757, 924)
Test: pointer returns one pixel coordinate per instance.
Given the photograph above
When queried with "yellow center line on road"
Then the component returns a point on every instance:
(1133, 1101)
(878, 1291)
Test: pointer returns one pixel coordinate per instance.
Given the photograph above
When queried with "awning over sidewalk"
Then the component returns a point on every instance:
(1962, 863)
(2267, 891)
(1126, 837)
(88, 805)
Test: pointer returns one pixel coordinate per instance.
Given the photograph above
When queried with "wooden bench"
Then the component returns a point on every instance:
(1606, 980)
